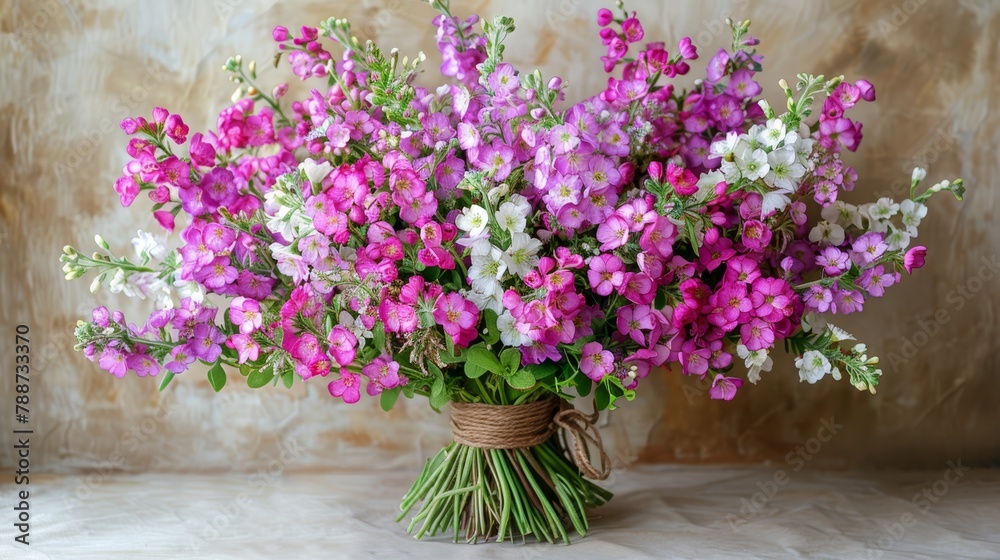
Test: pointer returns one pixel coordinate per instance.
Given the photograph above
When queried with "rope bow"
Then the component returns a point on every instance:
(528, 425)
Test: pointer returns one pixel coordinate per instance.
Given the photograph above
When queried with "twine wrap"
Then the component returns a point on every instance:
(527, 425)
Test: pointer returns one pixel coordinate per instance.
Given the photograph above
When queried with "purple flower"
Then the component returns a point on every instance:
(114, 361)
(869, 247)
(724, 388)
(596, 362)
(180, 359)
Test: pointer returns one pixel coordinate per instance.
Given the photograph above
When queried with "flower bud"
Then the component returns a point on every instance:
(95, 286)
(101, 242)
(918, 174)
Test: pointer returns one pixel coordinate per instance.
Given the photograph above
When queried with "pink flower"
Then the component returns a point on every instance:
(604, 17)
(245, 313)
(724, 388)
(638, 287)
(606, 273)
(176, 129)
(165, 219)
(914, 258)
(596, 362)
(143, 364)
(819, 298)
(457, 316)
(114, 361)
(867, 89)
(613, 232)
(833, 260)
(695, 361)
(756, 235)
(343, 345)
(348, 387)
(383, 374)
(875, 280)
(682, 179)
(246, 347)
(633, 30)
(127, 190)
(633, 319)
(180, 359)
(687, 50)
(757, 334)
(869, 247)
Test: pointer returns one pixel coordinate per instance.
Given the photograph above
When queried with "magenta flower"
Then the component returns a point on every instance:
(127, 190)
(724, 388)
(217, 274)
(596, 362)
(875, 280)
(457, 316)
(685, 182)
(246, 347)
(343, 345)
(114, 361)
(741, 269)
(143, 364)
(613, 232)
(245, 314)
(695, 361)
(633, 30)
(604, 17)
(833, 260)
(914, 258)
(819, 298)
(638, 287)
(383, 373)
(756, 235)
(633, 320)
(869, 247)
(347, 387)
(180, 359)
(757, 334)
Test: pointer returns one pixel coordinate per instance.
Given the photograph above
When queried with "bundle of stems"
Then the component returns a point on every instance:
(476, 493)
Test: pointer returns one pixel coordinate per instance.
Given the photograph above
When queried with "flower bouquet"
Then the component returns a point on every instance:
(488, 245)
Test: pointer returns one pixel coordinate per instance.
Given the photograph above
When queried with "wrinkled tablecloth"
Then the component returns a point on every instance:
(658, 512)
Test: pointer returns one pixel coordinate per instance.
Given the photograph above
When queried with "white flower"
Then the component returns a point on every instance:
(472, 220)
(754, 165)
(827, 233)
(755, 361)
(784, 170)
(485, 300)
(487, 269)
(838, 334)
(775, 201)
(147, 246)
(882, 210)
(119, 284)
(509, 334)
(773, 134)
(803, 151)
(897, 239)
(356, 326)
(511, 217)
(813, 322)
(188, 289)
(812, 365)
(316, 172)
(707, 182)
(912, 212)
(522, 255)
(842, 213)
(918, 174)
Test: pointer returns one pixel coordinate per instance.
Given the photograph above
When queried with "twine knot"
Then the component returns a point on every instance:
(528, 425)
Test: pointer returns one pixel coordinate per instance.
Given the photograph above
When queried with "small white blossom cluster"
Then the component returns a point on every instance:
(769, 153)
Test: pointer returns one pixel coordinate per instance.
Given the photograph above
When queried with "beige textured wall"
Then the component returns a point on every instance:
(71, 70)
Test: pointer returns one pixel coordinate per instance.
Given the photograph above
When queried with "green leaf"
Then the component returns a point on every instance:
(511, 360)
(389, 398)
(449, 358)
(521, 380)
(472, 371)
(439, 394)
(492, 333)
(288, 378)
(543, 370)
(259, 377)
(583, 384)
(167, 378)
(485, 359)
(603, 399)
(691, 234)
(378, 336)
(217, 377)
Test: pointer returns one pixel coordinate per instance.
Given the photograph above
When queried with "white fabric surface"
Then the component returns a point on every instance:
(658, 512)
